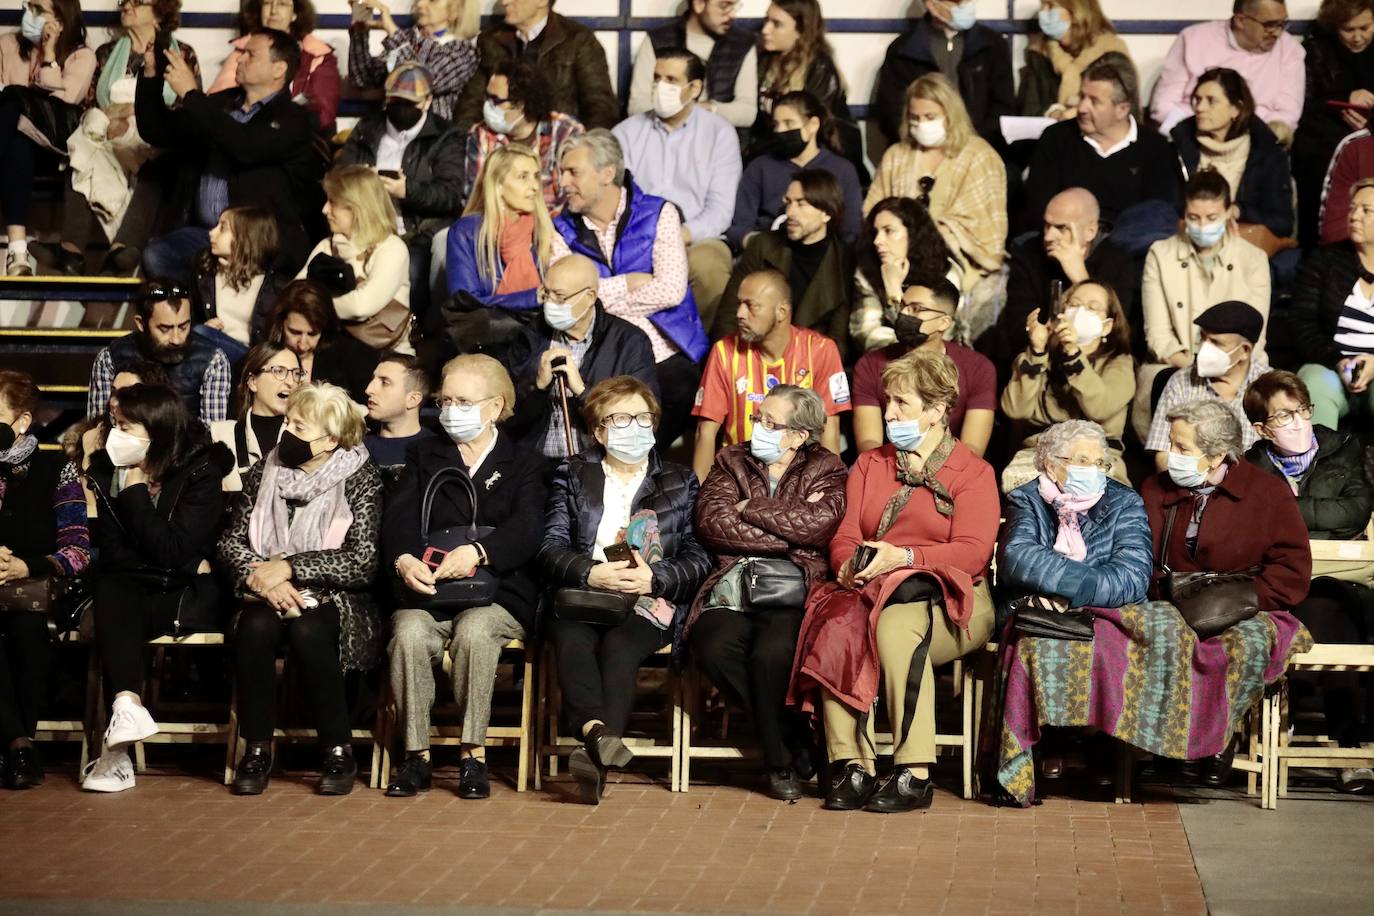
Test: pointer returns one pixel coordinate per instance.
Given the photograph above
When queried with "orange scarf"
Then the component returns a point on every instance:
(517, 242)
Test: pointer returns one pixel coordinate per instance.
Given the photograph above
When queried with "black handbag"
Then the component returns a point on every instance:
(55, 119)
(771, 583)
(198, 602)
(1032, 618)
(597, 606)
(333, 273)
(1209, 602)
(33, 594)
(453, 594)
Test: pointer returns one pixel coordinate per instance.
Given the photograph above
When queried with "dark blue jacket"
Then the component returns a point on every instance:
(574, 513)
(1266, 186)
(464, 275)
(634, 253)
(1120, 558)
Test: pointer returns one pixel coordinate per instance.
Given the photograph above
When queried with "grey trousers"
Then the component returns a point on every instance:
(474, 640)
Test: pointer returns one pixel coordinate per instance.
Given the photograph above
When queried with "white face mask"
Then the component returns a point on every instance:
(497, 120)
(1212, 361)
(669, 99)
(1087, 324)
(125, 449)
(929, 134)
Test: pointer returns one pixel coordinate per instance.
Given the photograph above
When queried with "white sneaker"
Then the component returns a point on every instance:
(19, 264)
(112, 771)
(129, 722)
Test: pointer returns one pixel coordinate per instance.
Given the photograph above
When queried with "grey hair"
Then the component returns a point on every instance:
(604, 150)
(808, 411)
(1215, 428)
(1058, 437)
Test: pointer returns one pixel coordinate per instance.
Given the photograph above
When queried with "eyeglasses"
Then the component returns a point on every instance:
(543, 294)
(137, 3)
(460, 403)
(1273, 26)
(926, 183)
(282, 373)
(921, 312)
(1102, 464)
(760, 420)
(623, 420)
(162, 292)
(497, 100)
(1281, 418)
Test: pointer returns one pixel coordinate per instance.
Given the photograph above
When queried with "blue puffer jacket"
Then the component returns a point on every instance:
(1120, 558)
(465, 275)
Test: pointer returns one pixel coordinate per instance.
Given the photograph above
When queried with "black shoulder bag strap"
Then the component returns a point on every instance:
(441, 477)
(1162, 556)
(914, 676)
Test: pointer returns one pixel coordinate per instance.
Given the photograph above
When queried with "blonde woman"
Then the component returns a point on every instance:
(301, 551)
(500, 248)
(1073, 35)
(443, 38)
(364, 264)
(943, 164)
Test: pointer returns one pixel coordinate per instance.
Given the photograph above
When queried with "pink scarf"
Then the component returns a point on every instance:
(1069, 540)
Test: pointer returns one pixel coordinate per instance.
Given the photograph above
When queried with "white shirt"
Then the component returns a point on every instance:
(533, 33)
(235, 307)
(391, 150)
(616, 499)
(1131, 136)
(477, 462)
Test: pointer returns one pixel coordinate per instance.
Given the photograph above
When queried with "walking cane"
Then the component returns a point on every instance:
(562, 385)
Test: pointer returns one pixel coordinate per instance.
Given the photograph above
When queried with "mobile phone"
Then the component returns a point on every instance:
(1348, 372)
(1053, 307)
(1345, 106)
(389, 173)
(361, 12)
(433, 557)
(863, 556)
(621, 553)
(162, 41)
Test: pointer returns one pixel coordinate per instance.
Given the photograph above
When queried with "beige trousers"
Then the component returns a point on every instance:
(709, 263)
(900, 630)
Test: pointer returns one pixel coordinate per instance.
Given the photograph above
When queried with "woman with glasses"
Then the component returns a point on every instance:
(777, 497)
(911, 557)
(618, 520)
(118, 181)
(1077, 366)
(46, 71)
(301, 551)
(955, 174)
(442, 38)
(1072, 539)
(901, 244)
(1325, 469)
(270, 372)
(475, 400)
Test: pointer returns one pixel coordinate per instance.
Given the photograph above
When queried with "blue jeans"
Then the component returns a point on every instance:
(233, 350)
(1331, 402)
(173, 256)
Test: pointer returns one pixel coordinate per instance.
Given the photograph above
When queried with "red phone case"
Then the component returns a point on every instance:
(433, 557)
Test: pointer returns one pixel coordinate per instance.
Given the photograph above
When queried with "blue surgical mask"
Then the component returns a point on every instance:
(463, 424)
(31, 27)
(1085, 481)
(964, 16)
(1183, 470)
(497, 118)
(906, 434)
(1053, 23)
(559, 315)
(631, 444)
(1208, 235)
(766, 444)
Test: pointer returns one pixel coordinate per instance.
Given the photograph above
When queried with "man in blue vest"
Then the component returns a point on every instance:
(198, 370)
(636, 242)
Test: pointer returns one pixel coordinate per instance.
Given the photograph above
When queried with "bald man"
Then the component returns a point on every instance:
(577, 345)
(766, 350)
(1071, 248)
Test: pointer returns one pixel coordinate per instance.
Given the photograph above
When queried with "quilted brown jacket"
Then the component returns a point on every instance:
(789, 523)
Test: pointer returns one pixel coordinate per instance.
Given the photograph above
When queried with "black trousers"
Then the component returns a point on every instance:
(1331, 620)
(25, 654)
(127, 615)
(749, 659)
(678, 378)
(313, 639)
(18, 160)
(598, 668)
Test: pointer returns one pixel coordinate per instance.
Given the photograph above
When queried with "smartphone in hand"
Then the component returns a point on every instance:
(361, 12)
(621, 553)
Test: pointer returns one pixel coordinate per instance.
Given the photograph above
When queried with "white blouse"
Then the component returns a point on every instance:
(617, 497)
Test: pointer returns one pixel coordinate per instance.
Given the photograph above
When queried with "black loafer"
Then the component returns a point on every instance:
(784, 784)
(473, 781)
(414, 775)
(339, 772)
(590, 776)
(122, 262)
(1216, 770)
(253, 771)
(610, 751)
(850, 789)
(901, 792)
(59, 259)
(23, 769)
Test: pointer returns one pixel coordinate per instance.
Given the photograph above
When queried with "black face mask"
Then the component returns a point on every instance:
(403, 115)
(7, 437)
(909, 333)
(788, 144)
(293, 451)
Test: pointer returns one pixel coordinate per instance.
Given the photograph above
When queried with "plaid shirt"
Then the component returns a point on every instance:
(451, 63)
(547, 143)
(555, 444)
(215, 386)
(1187, 386)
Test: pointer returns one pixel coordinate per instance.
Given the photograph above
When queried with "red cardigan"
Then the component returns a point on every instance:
(1251, 519)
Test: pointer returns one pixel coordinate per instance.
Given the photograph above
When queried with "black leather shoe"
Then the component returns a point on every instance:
(590, 776)
(23, 769)
(58, 259)
(784, 784)
(412, 776)
(473, 781)
(122, 262)
(1216, 770)
(253, 771)
(901, 792)
(610, 751)
(339, 771)
(850, 789)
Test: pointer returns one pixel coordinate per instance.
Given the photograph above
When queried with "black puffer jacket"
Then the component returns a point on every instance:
(574, 513)
(1334, 497)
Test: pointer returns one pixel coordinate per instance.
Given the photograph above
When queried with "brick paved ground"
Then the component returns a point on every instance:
(179, 837)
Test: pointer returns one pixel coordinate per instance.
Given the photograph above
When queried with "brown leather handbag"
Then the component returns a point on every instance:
(1209, 602)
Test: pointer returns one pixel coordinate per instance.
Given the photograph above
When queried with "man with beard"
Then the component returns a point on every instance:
(707, 29)
(925, 316)
(766, 351)
(818, 263)
(198, 370)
